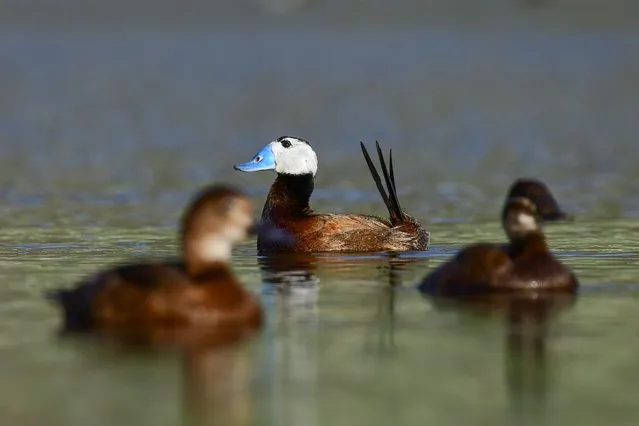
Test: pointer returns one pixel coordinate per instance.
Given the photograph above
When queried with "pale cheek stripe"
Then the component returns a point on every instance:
(526, 221)
(214, 249)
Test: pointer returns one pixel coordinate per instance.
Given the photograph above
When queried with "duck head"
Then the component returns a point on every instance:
(218, 217)
(520, 218)
(539, 193)
(286, 155)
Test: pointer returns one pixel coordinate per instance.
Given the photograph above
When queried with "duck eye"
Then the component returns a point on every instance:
(286, 143)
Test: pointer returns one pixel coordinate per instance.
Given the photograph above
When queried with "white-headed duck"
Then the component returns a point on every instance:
(198, 291)
(287, 206)
(524, 264)
(539, 193)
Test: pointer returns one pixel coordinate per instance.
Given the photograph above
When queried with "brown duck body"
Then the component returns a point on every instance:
(483, 268)
(166, 301)
(287, 207)
(161, 295)
(524, 264)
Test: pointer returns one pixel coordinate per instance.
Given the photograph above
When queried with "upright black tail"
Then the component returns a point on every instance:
(391, 200)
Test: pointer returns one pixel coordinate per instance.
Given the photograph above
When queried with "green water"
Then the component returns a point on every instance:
(339, 347)
(110, 120)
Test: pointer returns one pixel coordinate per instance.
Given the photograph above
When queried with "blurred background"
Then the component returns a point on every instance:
(113, 112)
(136, 101)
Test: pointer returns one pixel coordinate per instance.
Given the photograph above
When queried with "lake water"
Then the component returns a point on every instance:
(108, 126)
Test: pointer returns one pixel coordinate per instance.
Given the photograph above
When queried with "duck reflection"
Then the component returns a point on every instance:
(381, 343)
(294, 275)
(528, 323)
(216, 370)
(221, 374)
(528, 318)
(217, 385)
(289, 348)
(291, 274)
(293, 345)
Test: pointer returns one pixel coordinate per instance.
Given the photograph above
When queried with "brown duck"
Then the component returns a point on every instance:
(287, 206)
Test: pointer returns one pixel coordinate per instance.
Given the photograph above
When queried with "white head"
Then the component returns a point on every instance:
(286, 155)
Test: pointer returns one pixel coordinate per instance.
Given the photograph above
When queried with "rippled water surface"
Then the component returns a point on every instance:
(106, 130)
